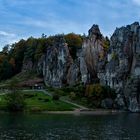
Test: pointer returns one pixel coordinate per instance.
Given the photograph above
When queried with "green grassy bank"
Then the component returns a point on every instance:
(38, 101)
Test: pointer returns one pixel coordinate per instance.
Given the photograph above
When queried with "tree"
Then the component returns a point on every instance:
(15, 98)
(12, 62)
(17, 53)
(5, 49)
(44, 36)
(106, 43)
(74, 42)
(12, 57)
(31, 44)
(6, 70)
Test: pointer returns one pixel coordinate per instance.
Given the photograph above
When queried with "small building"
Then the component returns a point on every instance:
(38, 86)
(36, 83)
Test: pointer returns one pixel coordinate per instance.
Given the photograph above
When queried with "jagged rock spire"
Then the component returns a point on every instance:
(94, 30)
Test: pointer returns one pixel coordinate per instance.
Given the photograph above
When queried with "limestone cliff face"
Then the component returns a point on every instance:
(119, 67)
(122, 70)
(27, 66)
(116, 64)
(92, 55)
(57, 63)
(74, 75)
(90, 59)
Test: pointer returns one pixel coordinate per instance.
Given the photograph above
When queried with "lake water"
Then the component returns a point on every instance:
(70, 127)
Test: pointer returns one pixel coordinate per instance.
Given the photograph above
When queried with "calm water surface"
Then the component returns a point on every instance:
(70, 127)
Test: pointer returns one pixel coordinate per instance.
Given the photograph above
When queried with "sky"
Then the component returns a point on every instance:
(24, 18)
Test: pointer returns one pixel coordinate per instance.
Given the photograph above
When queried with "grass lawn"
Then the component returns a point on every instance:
(38, 101)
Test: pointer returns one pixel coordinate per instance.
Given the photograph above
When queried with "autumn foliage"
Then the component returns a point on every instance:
(13, 56)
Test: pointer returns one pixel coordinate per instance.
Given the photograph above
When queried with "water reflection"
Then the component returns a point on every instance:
(69, 127)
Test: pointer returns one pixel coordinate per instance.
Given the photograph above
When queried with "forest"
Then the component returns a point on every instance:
(13, 56)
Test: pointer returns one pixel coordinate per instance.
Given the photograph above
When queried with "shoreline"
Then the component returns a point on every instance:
(86, 112)
(74, 112)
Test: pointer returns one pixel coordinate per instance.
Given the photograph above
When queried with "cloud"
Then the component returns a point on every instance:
(6, 34)
(7, 38)
(55, 25)
(137, 2)
(34, 23)
(25, 18)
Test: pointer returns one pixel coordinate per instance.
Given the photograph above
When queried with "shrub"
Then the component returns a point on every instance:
(99, 91)
(114, 56)
(74, 42)
(84, 100)
(106, 44)
(39, 98)
(35, 109)
(72, 95)
(55, 97)
(96, 93)
(108, 92)
(78, 89)
(60, 92)
(46, 100)
(15, 98)
(15, 101)
(29, 95)
(94, 90)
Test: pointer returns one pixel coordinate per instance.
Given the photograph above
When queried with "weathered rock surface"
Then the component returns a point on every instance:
(132, 94)
(57, 63)
(123, 66)
(117, 67)
(27, 66)
(73, 75)
(107, 103)
(92, 54)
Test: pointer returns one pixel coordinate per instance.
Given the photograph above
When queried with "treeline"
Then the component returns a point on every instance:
(13, 56)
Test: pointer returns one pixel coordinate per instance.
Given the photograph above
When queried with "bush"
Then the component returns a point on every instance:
(99, 91)
(114, 56)
(72, 95)
(40, 99)
(55, 97)
(15, 98)
(29, 95)
(96, 93)
(35, 109)
(60, 92)
(74, 42)
(15, 101)
(46, 100)
(84, 100)
(109, 92)
(78, 89)
(94, 90)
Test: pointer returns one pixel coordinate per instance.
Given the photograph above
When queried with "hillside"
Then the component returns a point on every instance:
(93, 62)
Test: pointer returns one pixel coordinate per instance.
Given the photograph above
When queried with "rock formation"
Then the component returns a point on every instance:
(122, 70)
(116, 64)
(57, 63)
(92, 55)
